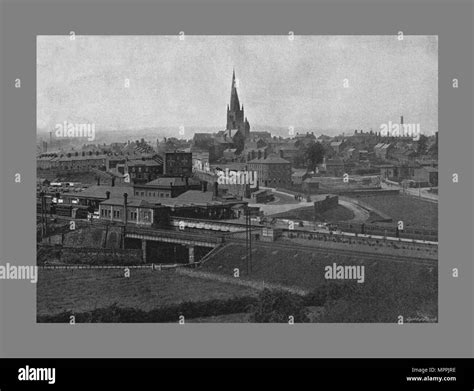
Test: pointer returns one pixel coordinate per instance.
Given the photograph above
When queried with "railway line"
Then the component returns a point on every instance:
(351, 253)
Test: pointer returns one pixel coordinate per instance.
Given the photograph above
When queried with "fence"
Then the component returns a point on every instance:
(258, 285)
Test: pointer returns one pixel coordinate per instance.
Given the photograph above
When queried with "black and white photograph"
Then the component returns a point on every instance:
(237, 178)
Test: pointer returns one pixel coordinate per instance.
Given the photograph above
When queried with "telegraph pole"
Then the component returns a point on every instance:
(248, 239)
(125, 196)
(42, 215)
(250, 242)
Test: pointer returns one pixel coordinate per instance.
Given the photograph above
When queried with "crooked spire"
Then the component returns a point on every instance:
(234, 97)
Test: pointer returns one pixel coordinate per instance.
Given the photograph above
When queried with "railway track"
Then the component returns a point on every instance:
(349, 253)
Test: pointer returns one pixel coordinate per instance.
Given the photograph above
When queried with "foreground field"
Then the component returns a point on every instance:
(386, 291)
(388, 288)
(412, 211)
(84, 290)
(300, 268)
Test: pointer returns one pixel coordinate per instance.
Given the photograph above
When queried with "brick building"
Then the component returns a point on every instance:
(272, 171)
(143, 170)
(178, 164)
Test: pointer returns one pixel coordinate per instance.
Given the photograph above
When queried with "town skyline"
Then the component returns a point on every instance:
(66, 94)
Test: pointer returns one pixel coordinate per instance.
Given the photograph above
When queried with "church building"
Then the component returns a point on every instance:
(236, 121)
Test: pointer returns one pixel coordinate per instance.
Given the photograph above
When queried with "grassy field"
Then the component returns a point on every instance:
(388, 290)
(242, 317)
(411, 210)
(340, 213)
(292, 267)
(84, 290)
(302, 269)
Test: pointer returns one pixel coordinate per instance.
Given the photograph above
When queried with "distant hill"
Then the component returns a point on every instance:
(151, 134)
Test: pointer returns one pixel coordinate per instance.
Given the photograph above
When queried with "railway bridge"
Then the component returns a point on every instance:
(191, 241)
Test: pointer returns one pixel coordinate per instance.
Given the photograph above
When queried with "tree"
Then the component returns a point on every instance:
(277, 307)
(239, 142)
(314, 155)
(422, 143)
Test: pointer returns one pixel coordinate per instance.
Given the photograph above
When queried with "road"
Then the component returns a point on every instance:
(416, 192)
(360, 214)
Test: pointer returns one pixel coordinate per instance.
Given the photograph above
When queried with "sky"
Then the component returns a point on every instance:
(311, 82)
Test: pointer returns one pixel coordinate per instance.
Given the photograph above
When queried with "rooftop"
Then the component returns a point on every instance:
(80, 157)
(140, 162)
(100, 191)
(270, 160)
(131, 202)
(170, 181)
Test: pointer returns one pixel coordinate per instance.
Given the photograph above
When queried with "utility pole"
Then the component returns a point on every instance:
(42, 214)
(250, 242)
(125, 196)
(248, 239)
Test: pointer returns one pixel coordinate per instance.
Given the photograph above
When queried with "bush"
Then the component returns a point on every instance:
(277, 307)
(329, 291)
(404, 293)
(116, 314)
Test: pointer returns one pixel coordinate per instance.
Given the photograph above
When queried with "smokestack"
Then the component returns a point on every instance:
(125, 197)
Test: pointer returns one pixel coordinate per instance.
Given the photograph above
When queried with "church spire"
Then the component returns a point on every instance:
(234, 97)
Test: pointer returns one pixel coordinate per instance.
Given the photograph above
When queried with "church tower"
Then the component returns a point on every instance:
(235, 113)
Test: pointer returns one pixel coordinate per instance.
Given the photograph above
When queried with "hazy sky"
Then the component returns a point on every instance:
(285, 83)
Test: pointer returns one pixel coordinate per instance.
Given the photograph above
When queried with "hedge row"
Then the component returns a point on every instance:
(171, 314)
(269, 306)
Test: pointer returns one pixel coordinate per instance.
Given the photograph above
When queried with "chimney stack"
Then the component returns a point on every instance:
(125, 197)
